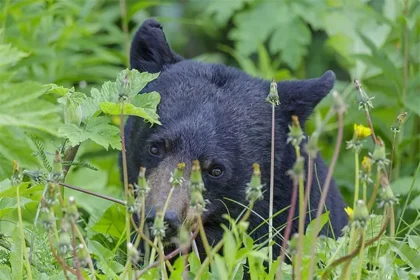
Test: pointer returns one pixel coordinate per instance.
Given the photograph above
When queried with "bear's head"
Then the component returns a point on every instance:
(218, 115)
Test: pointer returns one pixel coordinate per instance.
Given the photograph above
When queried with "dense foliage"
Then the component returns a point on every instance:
(55, 59)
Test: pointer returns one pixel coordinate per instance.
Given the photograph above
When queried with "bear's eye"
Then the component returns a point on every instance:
(154, 150)
(215, 171)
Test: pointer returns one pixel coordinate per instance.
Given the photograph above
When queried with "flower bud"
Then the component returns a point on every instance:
(387, 196)
(16, 176)
(57, 174)
(196, 180)
(184, 239)
(158, 228)
(142, 187)
(295, 135)
(312, 146)
(379, 156)
(64, 243)
(297, 172)
(360, 215)
(131, 204)
(83, 255)
(273, 96)
(366, 170)
(51, 194)
(133, 253)
(254, 189)
(364, 100)
(176, 179)
(71, 212)
(399, 121)
(46, 218)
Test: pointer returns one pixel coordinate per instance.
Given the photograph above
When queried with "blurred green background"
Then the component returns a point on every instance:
(83, 43)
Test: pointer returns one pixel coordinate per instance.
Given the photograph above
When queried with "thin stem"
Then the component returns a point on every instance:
(391, 222)
(370, 125)
(301, 226)
(356, 179)
(82, 240)
(361, 257)
(392, 157)
(375, 189)
(162, 260)
(124, 19)
(408, 196)
(24, 252)
(326, 188)
(288, 229)
(167, 257)
(364, 191)
(125, 179)
(59, 259)
(270, 211)
(76, 259)
(91, 193)
(203, 236)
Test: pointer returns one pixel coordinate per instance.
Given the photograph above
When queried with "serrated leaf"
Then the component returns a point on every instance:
(97, 129)
(132, 81)
(21, 105)
(293, 48)
(106, 262)
(407, 254)
(222, 12)
(112, 222)
(10, 55)
(130, 110)
(10, 203)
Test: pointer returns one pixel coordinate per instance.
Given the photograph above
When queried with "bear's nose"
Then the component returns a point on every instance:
(171, 221)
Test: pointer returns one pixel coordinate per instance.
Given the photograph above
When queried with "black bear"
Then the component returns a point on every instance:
(219, 115)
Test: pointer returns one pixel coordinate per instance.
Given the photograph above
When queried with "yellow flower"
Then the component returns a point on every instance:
(349, 212)
(361, 131)
(366, 165)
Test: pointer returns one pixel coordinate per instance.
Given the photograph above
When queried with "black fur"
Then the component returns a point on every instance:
(219, 114)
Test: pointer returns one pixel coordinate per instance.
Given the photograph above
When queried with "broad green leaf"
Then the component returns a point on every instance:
(219, 269)
(10, 55)
(414, 242)
(112, 221)
(132, 81)
(311, 227)
(5, 273)
(403, 185)
(97, 129)
(130, 110)
(11, 150)
(407, 254)
(293, 48)
(229, 249)
(222, 12)
(10, 203)
(106, 262)
(16, 257)
(22, 105)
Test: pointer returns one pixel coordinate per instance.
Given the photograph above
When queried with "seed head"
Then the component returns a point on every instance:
(379, 157)
(364, 100)
(360, 215)
(142, 187)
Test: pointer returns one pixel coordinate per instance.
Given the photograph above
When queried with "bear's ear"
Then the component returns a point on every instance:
(300, 97)
(149, 50)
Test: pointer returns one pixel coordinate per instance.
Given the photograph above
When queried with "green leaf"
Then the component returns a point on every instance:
(222, 12)
(293, 48)
(97, 129)
(106, 262)
(16, 258)
(10, 55)
(414, 242)
(407, 254)
(403, 184)
(112, 222)
(22, 105)
(229, 249)
(219, 269)
(10, 203)
(132, 81)
(130, 110)
(311, 227)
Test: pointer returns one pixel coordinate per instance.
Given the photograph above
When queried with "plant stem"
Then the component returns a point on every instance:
(364, 191)
(356, 179)
(76, 259)
(124, 19)
(167, 257)
(392, 157)
(162, 260)
(125, 179)
(23, 252)
(370, 125)
(361, 256)
(270, 212)
(391, 222)
(59, 259)
(375, 189)
(82, 240)
(326, 188)
(91, 193)
(203, 236)
(301, 227)
(279, 273)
